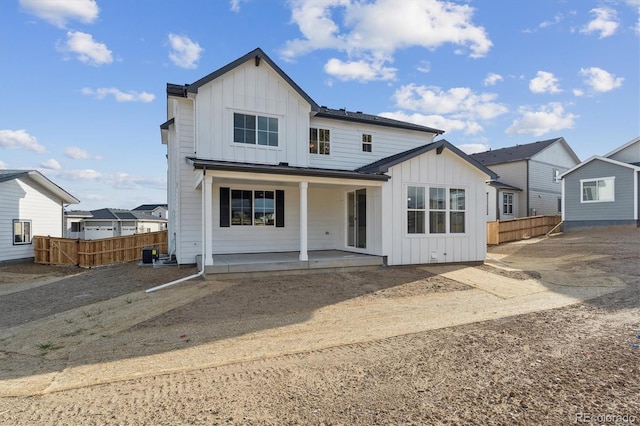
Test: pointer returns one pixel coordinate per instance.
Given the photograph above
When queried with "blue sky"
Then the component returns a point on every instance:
(82, 82)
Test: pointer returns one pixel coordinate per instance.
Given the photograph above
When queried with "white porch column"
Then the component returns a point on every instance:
(304, 256)
(207, 189)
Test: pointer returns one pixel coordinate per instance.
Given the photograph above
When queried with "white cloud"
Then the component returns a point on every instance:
(20, 139)
(119, 95)
(556, 20)
(59, 12)
(127, 181)
(234, 5)
(578, 92)
(461, 102)
(606, 22)
(472, 148)
(79, 175)
(87, 49)
(492, 78)
(358, 70)
(51, 164)
(548, 118)
(371, 32)
(3, 165)
(184, 53)
(600, 80)
(436, 121)
(545, 82)
(424, 66)
(79, 154)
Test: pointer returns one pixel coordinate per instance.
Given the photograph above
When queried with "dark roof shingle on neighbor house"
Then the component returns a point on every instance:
(149, 207)
(512, 153)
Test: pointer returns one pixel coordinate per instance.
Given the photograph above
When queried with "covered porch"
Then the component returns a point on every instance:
(242, 264)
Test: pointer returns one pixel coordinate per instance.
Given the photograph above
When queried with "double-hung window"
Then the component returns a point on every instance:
(21, 231)
(597, 190)
(415, 210)
(444, 211)
(319, 141)
(255, 129)
(507, 203)
(437, 210)
(456, 211)
(367, 143)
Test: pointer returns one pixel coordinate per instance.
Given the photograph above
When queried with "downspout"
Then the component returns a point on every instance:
(201, 272)
(528, 213)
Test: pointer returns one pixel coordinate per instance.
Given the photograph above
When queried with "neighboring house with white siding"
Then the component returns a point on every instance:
(603, 190)
(528, 181)
(255, 165)
(30, 204)
(109, 223)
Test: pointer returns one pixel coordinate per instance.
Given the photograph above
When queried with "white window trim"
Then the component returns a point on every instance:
(513, 196)
(13, 231)
(447, 210)
(608, 178)
(280, 119)
(331, 133)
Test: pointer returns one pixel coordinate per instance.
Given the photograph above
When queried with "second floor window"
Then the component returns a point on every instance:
(319, 141)
(366, 143)
(255, 129)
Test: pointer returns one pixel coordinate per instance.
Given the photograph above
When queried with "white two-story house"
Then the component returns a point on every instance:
(257, 166)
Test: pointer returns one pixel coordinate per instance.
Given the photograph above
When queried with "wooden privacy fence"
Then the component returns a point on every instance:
(90, 253)
(519, 229)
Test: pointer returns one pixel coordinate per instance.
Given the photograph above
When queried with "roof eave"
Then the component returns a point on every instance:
(200, 164)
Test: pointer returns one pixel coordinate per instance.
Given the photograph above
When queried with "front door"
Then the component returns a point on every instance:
(357, 218)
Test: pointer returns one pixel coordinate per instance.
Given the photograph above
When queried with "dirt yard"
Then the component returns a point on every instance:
(548, 337)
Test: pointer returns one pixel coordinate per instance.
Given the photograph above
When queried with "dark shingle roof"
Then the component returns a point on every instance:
(42, 180)
(512, 153)
(360, 117)
(6, 175)
(148, 207)
(282, 169)
(121, 214)
(383, 165)
(338, 114)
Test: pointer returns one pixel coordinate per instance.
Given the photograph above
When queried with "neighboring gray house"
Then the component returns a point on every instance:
(30, 204)
(108, 223)
(528, 178)
(603, 191)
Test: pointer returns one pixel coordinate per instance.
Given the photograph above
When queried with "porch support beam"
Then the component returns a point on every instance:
(207, 194)
(304, 256)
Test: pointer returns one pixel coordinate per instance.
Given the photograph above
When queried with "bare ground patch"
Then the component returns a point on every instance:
(539, 368)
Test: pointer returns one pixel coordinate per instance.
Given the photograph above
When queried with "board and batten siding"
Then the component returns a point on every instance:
(432, 170)
(620, 209)
(251, 90)
(326, 221)
(346, 143)
(20, 199)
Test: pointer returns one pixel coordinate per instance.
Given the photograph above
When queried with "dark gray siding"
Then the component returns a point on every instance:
(620, 209)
